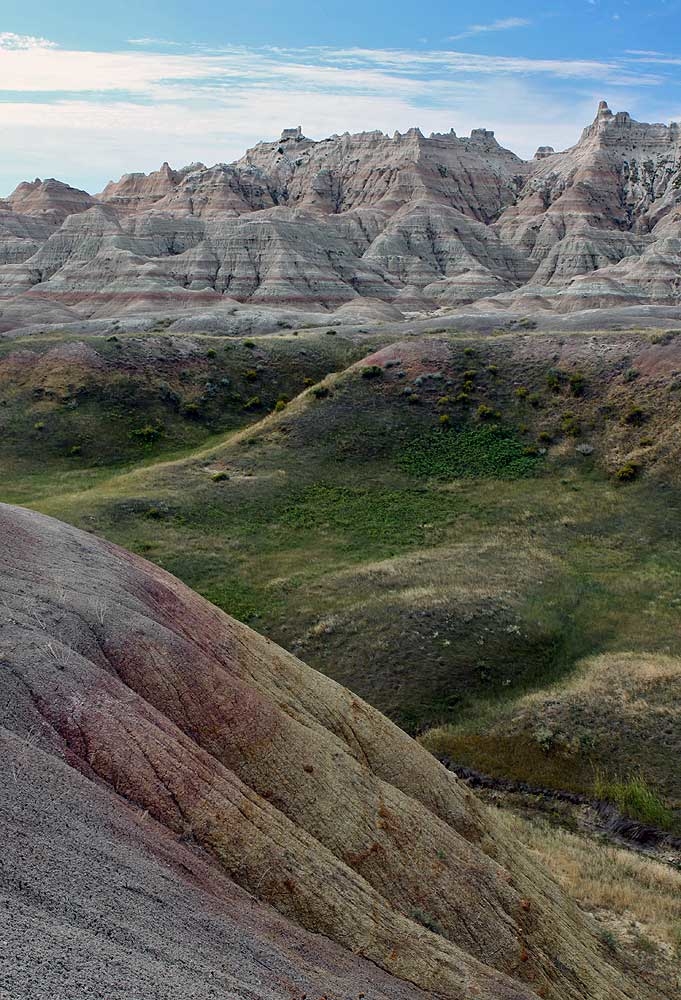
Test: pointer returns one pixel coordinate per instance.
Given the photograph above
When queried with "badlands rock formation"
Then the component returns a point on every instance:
(421, 224)
(188, 810)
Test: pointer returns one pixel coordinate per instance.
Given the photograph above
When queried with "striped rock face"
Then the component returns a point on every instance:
(417, 223)
(189, 810)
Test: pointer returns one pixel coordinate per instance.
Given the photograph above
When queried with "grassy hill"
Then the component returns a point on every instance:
(454, 527)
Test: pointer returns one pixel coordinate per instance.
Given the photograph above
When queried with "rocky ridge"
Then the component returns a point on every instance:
(420, 224)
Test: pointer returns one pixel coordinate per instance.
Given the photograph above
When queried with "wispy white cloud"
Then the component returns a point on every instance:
(502, 24)
(130, 110)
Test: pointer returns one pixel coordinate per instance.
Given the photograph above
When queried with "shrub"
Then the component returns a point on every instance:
(331, 333)
(521, 392)
(608, 939)
(308, 381)
(253, 403)
(321, 391)
(544, 437)
(444, 401)
(414, 399)
(635, 417)
(219, 477)
(467, 386)
(462, 398)
(372, 371)
(470, 373)
(211, 353)
(250, 374)
(577, 384)
(534, 399)
(428, 922)
(635, 798)
(39, 425)
(249, 343)
(553, 379)
(493, 369)
(627, 472)
(74, 450)
(147, 434)
(468, 351)
(445, 420)
(486, 412)
(280, 405)
(570, 426)
(630, 375)
(192, 410)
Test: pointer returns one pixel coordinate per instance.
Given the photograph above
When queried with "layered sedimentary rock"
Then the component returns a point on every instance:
(231, 822)
(421, 223)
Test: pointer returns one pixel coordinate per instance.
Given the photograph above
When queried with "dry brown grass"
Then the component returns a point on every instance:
(634, 898)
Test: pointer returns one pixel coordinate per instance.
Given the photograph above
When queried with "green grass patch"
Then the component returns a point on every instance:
(635, 798)
(489, 452)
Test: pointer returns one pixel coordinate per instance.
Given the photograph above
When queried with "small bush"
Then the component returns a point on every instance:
(463, 398)
(544, 437)
(219, 477)
(211, 353)
(570, 426)
(608, 939)
(321, 391)
(372, 371)
(414, 399)
(249, 343)
(630, 375)
(192, 410)
(445, 420)
(253, 403)
(39, 425)
(493, 369)
(636, 417)
(250, 374)
(470, 374)
(486, 412)
(280, 405)
(534, 399)
(577, 383)
(468, 351)
(147, 434)
(626, 473)
(331, 333)
(74, 450)
(444, 401)
(553, 380)
(521, 392)
(427, 921)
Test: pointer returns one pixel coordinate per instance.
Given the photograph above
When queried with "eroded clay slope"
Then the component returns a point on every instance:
(422, 223)
(165, 721)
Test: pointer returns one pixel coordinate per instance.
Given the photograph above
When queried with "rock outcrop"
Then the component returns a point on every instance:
(421, 223)
(230, 823)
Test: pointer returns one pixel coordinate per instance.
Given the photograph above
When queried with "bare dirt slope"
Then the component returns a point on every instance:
(164, 762)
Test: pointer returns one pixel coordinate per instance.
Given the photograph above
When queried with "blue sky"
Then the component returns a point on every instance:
(86, 96)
